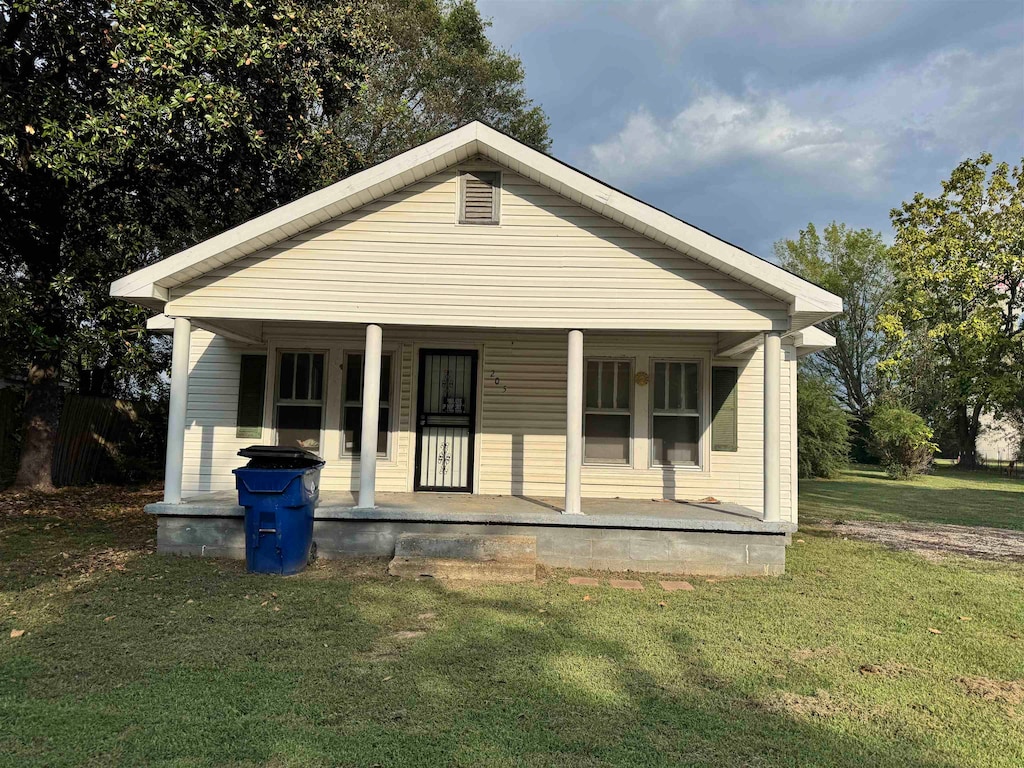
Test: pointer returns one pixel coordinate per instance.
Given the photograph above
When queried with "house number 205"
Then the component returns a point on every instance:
(497, 382)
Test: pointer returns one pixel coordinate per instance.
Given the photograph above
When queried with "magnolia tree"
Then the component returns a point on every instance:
(957, 307)
(130, 130)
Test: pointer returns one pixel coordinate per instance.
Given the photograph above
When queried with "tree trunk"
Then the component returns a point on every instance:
(40, 417)
(967, 424)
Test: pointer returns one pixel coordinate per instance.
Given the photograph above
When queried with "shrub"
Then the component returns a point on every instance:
(903, 441)
(823, 429)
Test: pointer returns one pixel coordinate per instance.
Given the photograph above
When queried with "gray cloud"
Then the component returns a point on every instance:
(751, 119)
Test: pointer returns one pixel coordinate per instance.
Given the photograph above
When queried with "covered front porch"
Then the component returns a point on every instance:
(655, 536)
(519, 413)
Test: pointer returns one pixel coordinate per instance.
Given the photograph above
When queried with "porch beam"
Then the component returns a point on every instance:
(233, 334)
(733, 344)
(176, 412)
(772, 425)
(574, 424)
(371, 407)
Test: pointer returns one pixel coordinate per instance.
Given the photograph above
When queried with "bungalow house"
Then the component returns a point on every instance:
(547, 355)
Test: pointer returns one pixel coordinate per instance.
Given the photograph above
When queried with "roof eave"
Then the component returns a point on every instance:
(298, 215)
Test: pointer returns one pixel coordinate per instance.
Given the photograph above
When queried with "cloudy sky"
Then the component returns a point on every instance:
(750, 119)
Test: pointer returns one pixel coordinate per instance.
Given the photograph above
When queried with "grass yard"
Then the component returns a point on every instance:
(949, 495)
(130, 658)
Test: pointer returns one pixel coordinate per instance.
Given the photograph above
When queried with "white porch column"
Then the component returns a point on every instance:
(772, 428)
(371, 407)
(574, 424)
(176, 411)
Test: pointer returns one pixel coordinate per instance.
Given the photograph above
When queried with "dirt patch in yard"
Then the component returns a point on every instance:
(885, 670)
(809, 654)
(1003, 691)
(820, 704)
(934, 541)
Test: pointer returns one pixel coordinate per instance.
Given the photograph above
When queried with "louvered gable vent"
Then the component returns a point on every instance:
(480, 197)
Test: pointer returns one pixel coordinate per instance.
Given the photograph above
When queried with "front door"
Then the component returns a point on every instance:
(445, 420)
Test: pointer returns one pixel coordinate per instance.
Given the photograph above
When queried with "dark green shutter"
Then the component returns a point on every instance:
(723, 409)
(252, 379)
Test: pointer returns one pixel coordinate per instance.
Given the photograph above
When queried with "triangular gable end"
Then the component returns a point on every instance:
(550, 263)
(151, 286)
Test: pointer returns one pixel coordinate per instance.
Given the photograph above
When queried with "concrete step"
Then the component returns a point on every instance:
(462, 556)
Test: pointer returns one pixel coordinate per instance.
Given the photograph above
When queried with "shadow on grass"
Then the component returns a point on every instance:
(202, 664)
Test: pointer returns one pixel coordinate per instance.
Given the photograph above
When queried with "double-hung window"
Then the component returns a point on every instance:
(675, 413)
(608, 415)
(352, 408)
(299, 402)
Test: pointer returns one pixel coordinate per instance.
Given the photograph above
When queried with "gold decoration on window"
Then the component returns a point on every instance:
(641, 378)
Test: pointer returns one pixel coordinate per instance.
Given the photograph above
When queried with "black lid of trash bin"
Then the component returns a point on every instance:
(279, 457)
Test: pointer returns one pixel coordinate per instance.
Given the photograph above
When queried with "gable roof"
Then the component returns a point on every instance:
(149, 286)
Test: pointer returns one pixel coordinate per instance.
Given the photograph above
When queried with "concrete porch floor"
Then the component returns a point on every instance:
(506, 510)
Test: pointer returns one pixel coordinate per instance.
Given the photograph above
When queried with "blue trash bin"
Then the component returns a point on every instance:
(279, 489)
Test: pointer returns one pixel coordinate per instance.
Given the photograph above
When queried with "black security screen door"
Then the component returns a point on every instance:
(445, 418)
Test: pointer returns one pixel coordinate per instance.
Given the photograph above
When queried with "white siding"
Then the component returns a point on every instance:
(521, 438)
(551, 263)
(210, 444)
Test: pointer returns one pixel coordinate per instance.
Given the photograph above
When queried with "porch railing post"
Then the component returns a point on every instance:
(574, 423)
(772, 422)
(371, 408)
(176, 411)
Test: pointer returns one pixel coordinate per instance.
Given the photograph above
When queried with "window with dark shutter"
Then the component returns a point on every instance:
(252, 379)
(480, 197)
(723, 409)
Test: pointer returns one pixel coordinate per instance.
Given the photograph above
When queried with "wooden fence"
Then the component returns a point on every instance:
(11, 399)
(89, 439)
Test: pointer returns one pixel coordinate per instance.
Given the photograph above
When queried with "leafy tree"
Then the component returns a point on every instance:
(131, 130)
(823, 430)
(903, 441)
(958, 298)
(853, 264)
(438, 72)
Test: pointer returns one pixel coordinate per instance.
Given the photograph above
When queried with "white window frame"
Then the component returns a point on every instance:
(395, 380)
(682, 412)
(631, 362)
(322, 402)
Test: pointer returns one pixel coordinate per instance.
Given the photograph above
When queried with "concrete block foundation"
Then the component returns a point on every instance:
(616, 543)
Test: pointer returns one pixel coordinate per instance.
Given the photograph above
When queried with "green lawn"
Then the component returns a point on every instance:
(136, 659)
(949, 496)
